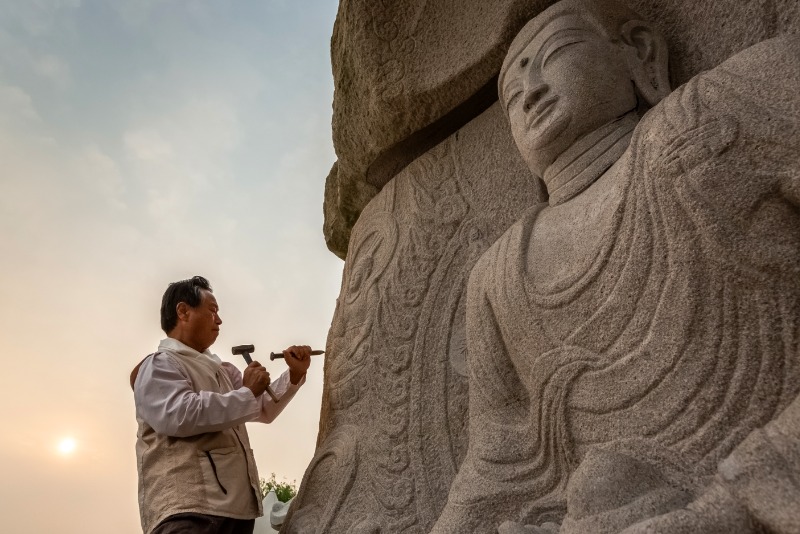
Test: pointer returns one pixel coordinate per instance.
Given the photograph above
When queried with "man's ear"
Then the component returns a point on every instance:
(182, 310)
(647, 57)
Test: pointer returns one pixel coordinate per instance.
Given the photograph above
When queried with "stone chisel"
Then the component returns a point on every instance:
(276, 355)
(245, 351)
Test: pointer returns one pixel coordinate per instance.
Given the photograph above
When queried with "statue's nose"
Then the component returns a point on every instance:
(533, 95)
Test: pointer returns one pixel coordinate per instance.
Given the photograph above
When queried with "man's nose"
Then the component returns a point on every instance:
(533, 94)
(217, 319)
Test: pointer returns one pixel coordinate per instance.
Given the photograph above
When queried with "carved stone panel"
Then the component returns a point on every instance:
(392, 429)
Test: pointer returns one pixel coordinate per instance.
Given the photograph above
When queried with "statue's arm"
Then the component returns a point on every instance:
(786, 54)
(486, 483)
(782, 156)
(767, 103)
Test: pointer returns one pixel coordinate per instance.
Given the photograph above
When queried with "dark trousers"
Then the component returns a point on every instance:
(189, 523)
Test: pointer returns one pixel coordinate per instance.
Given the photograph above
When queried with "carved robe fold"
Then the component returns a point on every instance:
(678, 328)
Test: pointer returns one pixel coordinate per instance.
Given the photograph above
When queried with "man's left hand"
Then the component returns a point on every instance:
(298, 358)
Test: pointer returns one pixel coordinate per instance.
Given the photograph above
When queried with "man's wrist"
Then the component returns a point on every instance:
(295, 377)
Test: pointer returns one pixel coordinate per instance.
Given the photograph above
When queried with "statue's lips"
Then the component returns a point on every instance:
(545, 124)
(541, 112)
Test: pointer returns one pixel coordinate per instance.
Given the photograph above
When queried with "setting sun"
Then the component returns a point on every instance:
(67, 446)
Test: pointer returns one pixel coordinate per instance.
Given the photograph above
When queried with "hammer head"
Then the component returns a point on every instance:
(245, 351)
(242, 349)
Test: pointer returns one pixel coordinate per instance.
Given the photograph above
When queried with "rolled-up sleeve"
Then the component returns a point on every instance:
(285, 391)
(282, 387)
(166, 401)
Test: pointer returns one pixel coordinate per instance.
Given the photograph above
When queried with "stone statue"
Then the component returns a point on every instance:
(634, 345)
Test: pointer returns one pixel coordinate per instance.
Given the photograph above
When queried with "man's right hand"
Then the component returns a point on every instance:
(256, 378)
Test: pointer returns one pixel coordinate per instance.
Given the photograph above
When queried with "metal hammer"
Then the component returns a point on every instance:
(276, 355)
(245, 351)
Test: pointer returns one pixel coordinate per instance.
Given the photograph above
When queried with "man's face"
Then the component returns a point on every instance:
(203, 321)
(567, 82)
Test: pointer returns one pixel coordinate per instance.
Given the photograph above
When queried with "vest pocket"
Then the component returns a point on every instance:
(220, 468)
(214, 470)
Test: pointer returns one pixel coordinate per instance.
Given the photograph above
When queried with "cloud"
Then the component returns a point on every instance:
(36, 17)
(16, 107)
(53, 69)
(195, 134)
(136, 14)
(101, 175)
(20, 58)
(182, 160)
(146, 145)
(54, 196)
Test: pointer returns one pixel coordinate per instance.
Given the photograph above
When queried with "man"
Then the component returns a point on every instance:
(196, 469)
(633, 344)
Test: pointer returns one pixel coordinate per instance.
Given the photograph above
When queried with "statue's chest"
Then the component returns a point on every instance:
(594, 257)
(567, 241)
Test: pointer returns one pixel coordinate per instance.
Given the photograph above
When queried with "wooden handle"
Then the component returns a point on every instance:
(272, 394)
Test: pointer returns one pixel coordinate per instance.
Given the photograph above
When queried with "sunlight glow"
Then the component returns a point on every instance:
(67, 446)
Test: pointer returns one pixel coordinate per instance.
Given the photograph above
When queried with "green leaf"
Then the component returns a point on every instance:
(283, 490)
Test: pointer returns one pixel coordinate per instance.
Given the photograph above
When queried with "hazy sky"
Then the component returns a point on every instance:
(144, 141)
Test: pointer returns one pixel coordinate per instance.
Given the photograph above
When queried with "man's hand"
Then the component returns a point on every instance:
(256, 378)
(298, 358)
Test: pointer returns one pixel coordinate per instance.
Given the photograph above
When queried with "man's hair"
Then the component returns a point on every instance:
(188, 291)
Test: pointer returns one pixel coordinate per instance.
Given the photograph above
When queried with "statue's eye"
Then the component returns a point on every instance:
(559, 46)
(523, 62)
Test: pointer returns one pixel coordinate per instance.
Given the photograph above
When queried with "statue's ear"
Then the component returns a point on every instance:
(647, 59)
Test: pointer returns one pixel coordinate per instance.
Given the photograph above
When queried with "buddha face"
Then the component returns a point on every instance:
(568, 81)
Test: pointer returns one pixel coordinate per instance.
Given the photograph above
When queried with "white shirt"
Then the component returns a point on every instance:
(166, 401)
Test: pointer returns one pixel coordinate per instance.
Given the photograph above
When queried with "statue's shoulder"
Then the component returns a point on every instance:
(775, 61)
(682, 132)
(751, 96)
(760, 82)
(753, 87)
(509, 250)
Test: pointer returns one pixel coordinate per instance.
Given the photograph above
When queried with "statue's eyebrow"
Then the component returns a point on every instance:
(556, 35)
(515, 66)
(547, 47)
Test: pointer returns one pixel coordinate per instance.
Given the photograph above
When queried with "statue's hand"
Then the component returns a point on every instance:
(715, 512)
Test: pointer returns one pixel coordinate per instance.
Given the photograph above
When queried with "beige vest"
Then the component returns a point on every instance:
(213, 473)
